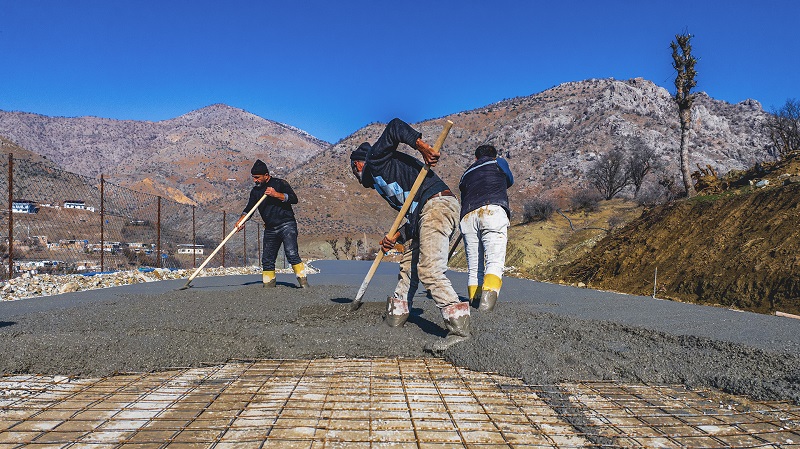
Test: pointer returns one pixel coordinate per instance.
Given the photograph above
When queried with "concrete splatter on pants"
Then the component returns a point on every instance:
(485, 232)
(425, 258)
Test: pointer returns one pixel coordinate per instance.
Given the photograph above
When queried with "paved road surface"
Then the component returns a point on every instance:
(542, 333)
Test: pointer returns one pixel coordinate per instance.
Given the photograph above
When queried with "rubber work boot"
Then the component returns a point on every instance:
(488, 300)
(303, 282)
(268, 278)
(474, 293)
(299, 271)
(456, 320)
(396, 311)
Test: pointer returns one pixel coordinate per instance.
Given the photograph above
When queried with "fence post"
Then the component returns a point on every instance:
(224, 234)
(258, 242)
(158, 233)
(102, 223)
(244, 244)
(10, 216)
(194, 242)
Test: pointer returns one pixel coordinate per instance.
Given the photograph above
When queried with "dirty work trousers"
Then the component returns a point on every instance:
(425, 258)
(485, 232)
(285, 233)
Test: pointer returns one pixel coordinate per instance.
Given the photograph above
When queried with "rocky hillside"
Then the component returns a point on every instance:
(738, 249)
(550, 139)
(205, 154)
(35, 174)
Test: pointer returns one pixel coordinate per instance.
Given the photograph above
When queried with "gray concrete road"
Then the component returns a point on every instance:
(542, 333)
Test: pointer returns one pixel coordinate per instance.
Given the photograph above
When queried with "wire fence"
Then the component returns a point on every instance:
(60, 222)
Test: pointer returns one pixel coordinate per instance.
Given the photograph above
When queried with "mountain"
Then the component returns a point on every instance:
(205, 154)
(551, 139)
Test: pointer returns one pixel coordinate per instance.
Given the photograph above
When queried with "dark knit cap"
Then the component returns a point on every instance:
(259, 168)
(360, 153)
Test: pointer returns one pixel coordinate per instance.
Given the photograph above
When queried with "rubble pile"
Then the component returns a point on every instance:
(32, 285)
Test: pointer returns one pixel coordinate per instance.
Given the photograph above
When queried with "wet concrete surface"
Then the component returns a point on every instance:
(541, 333)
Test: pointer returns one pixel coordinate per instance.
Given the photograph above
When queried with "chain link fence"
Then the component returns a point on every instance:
(58, 222)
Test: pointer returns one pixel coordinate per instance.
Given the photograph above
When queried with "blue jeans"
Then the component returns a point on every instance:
(285, 233)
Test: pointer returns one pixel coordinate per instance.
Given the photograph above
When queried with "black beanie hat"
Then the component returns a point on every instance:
(360, 154)
(259, 168)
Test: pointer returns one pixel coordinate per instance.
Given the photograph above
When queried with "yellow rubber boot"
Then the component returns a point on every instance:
(491, 289)
(268, 278)
(474, 293)
(300, 272)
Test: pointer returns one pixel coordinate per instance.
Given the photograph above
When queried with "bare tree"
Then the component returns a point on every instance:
(641, 159)
(683, 62)
(334, 246)
(609, 174)
(784, 128)
(359, 246)
(348, 242)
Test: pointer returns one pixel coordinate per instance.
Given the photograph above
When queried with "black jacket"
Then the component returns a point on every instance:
(392, 173)
(484, 183)
(273, 211)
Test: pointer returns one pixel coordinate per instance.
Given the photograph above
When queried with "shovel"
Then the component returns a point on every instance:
(402, 213)
(246, 217)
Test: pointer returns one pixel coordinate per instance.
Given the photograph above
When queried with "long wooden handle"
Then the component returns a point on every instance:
(401, 214)
(224, 241)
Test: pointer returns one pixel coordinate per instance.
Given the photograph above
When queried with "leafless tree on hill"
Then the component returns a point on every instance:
(641, 159)
(334, 247)
(784, 128)
(348, 243)
(609, 175)
(683, 62)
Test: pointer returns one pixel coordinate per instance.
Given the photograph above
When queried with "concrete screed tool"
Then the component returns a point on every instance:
(246, 217)
(402, 213)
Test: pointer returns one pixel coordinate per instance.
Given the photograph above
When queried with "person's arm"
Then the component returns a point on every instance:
(503, 164)
(251, 202)
(283, 193)
(395, 133)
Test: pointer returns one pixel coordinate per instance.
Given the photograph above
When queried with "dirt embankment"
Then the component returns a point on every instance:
(738, 250)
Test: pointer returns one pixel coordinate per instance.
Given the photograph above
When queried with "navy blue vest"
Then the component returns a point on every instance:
(484, 183)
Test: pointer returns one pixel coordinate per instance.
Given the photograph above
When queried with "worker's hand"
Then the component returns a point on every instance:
(239, 224)
(428, 155)
(387, 244)
(273, 193)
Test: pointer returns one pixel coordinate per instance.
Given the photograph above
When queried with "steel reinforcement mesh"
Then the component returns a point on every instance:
(375, 403)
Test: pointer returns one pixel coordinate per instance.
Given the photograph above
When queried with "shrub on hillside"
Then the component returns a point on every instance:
(538, 209)
(652, 195)
(585, 200)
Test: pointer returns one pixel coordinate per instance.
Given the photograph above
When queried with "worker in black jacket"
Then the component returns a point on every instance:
(280, 225)
(431, 221)
(484, 224)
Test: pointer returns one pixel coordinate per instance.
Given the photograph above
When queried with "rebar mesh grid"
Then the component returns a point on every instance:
(374, 403)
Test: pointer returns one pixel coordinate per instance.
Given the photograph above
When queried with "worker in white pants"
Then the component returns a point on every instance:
(485, 216)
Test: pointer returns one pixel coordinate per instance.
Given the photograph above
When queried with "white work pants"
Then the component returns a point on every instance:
(485, 232)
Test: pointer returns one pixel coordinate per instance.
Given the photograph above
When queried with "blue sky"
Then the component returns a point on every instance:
(331, 67)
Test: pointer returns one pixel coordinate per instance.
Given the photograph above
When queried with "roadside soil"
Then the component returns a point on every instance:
(739, 250)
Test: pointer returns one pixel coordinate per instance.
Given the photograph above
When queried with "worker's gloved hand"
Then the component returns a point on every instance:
(428, 154)
(387, 244)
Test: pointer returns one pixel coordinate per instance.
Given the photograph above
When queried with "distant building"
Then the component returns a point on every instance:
(188, 248)
(108, 247)
(24, 207)
(76, 204)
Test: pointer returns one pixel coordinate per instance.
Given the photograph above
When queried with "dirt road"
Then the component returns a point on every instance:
(542, 333)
